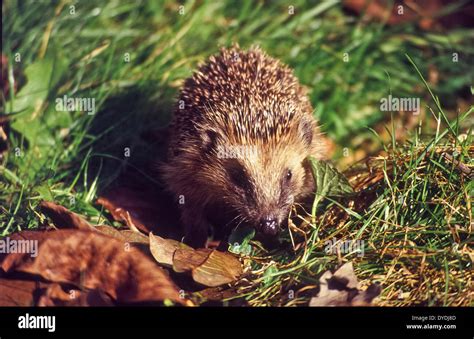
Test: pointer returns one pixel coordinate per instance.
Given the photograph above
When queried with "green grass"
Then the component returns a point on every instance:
(68, 157)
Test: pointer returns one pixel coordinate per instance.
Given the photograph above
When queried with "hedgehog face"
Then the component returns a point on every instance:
(259, 173)
(263, 185)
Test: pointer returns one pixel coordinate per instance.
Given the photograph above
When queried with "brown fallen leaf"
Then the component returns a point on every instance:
(119, 214)
(163, 249)
(207, 266)
(19, 292)
(188, 259)
(342, 289)
(62, 217)
(346, 276)
(216, 293)
(58, 295)
(109, 230)
(134, 237)
(55, 295)
(122, 235)
(218, 269)
(94, 261)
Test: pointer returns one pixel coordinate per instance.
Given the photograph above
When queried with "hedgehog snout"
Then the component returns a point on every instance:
(269, 226)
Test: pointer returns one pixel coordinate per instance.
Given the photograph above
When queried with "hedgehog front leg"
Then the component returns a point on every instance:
(196, 227)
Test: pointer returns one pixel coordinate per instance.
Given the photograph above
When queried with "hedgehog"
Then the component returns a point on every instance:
(241, 133)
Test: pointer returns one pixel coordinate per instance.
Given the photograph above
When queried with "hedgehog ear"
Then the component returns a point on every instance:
(305, 130)
(208, 139)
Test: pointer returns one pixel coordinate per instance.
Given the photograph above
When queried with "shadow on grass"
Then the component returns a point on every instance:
(130, 138)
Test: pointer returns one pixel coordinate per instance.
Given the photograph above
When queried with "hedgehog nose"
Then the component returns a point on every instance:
(269, 226)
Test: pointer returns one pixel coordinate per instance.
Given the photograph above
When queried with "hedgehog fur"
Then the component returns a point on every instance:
(239, 139)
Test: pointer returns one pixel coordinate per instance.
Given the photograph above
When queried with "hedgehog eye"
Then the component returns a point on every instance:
(238, 177)
(289, 175)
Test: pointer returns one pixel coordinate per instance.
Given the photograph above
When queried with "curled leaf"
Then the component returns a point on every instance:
(341, 288)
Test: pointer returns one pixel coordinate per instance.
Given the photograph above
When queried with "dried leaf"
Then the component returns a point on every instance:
(216, 293)
(134, 237)
(109, 230)
(62, 217)
(94, 261)
(346, 276)
(17, 292)
(342, 289)
(218, 269)
(58, 295)
(132, 220)
(122, 235)
(188, 259)
(163, 249)
(208, 267)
